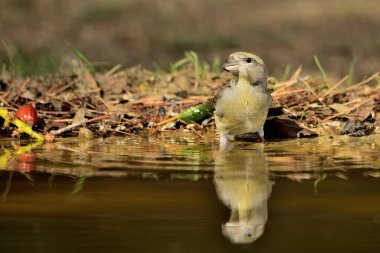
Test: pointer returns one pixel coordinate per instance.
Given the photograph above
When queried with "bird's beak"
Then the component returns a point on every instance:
(230, 65)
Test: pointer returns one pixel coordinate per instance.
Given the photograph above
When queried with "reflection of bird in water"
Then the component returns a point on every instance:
(242, 105)
(242, 183)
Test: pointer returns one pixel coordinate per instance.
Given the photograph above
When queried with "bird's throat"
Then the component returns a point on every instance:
(247, 80)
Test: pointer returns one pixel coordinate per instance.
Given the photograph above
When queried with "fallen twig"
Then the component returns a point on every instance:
(334, 87)
(312, 91)
(280, 87)
(363, 82)
(279, 94)
(69, 127)
(82, 122)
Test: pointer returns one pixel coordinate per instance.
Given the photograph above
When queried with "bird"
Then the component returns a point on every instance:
(242, 183)
(242, 106)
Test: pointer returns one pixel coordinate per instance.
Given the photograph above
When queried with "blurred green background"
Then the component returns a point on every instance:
(37, 35)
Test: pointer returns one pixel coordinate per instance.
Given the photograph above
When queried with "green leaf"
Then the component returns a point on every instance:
(196, 113)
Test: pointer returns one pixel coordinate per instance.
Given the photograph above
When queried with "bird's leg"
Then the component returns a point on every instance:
(261, 134)
(225, 139)
(226, 147)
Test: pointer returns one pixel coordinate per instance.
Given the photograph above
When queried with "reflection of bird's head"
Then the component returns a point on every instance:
(247, 66)
(241, 232)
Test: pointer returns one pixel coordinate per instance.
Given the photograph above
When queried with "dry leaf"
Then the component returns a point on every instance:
(362, 112)
(339, 107)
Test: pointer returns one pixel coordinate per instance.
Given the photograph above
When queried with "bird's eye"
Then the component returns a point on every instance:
(248, 60)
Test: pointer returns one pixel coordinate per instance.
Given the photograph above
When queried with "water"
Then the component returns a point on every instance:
(179, 194)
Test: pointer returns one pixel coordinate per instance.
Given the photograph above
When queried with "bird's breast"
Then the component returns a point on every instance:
(245, 100)
(242, 108)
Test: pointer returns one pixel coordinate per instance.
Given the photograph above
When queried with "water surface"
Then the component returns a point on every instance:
(180, 194)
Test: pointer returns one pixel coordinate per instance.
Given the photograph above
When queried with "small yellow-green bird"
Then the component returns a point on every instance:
(242, 105)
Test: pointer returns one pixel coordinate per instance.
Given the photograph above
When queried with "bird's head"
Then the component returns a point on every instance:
(247, 66)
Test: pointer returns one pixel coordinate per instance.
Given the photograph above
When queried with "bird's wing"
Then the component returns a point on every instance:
(212, 101)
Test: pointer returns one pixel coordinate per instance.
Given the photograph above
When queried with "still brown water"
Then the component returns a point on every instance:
(176, 194)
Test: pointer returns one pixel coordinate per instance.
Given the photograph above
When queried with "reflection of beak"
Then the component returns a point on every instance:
(229, 64)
